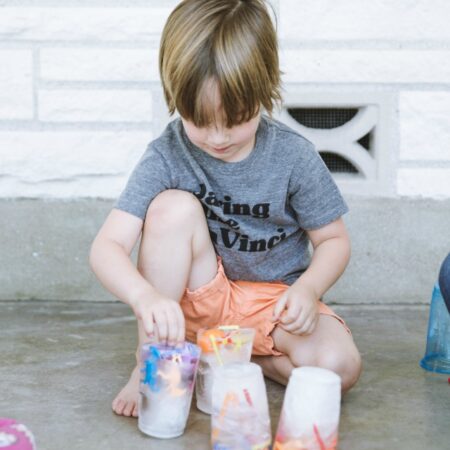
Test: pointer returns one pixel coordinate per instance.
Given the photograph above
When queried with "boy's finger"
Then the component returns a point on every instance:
(299, 322)
(149, 326)
(306, 327)
(161, 324)
(279, 307)
(313, 324)
(181, 326)
(288, 318)
(292, 315)
(155, 333)
(172, 327)
(294, 326)
(293, 312)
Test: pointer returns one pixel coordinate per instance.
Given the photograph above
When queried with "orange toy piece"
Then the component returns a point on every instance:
(205, 342)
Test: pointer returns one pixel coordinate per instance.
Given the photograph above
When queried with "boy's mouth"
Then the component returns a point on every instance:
(221, 150)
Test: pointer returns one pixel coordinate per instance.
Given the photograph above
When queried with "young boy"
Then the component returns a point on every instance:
(227, 200)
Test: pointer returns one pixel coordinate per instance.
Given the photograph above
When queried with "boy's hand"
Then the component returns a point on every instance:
(161, 316)
(297, 310)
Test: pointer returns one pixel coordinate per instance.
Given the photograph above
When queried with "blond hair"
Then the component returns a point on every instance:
(232, 43)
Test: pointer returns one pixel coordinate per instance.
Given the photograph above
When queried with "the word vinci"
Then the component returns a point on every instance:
(230, 237)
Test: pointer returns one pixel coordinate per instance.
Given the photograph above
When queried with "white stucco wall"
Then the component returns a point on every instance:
(80, 94)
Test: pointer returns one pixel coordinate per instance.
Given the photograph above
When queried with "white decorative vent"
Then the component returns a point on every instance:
(348, 132)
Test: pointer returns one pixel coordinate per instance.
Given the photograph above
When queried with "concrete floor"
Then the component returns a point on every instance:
(62, 363)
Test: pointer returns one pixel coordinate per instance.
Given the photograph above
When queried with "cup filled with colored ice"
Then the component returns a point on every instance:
(311, 409)
(240, 413)
(166, 386)
(219, 346)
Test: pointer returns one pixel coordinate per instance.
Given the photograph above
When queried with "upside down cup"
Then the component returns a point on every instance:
(437, 353)
(310, 414)
(240, 412)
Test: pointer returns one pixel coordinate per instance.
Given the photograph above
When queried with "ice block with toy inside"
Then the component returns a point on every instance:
(311, 408)
(219, 346)
(240, 411)
(167, 383)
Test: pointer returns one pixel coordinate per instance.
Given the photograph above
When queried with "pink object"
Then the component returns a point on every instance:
(15, 436)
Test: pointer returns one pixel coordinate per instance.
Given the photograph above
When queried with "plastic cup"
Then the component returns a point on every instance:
(310, 414)
(437, 353)
(219, 346)
(166, 386)
(240, 412)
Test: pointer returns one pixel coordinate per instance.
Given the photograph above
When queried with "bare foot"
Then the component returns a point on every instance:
(126, 402)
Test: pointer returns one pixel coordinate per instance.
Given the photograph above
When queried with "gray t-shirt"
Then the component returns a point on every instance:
(257, 209)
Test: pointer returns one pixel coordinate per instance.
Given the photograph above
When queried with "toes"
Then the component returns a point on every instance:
(129, 409)
(119, 406)
(123, 408)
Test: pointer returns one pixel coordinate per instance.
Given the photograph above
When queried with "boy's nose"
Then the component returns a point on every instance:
(218, 138)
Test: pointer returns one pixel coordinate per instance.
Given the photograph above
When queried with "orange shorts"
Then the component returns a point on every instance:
(245, 303)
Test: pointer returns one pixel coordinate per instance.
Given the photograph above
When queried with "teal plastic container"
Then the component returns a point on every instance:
(437, 353)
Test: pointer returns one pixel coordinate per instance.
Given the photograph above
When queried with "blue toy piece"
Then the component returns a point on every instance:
(151, 369)
(437, 354)
(150, 376)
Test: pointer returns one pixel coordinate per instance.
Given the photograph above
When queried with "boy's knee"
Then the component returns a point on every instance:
(346, 364)
(173, 207)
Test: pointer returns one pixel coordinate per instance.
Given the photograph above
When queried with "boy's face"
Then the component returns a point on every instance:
(227, 144)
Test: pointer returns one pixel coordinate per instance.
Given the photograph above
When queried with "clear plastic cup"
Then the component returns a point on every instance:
(311, 408)
(437, 353)
(167, 382)
(240, 412)
(219, 346)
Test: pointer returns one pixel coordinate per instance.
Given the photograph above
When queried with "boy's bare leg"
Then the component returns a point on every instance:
(330, 346)
(277, 368)
(176, 251)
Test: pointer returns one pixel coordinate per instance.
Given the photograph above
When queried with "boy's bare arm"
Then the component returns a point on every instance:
(330, 257)
(111, 263)
(110, 257)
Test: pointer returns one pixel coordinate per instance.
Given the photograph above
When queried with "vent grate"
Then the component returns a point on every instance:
(329, 118)
(323, 118)
(337, 164)
(366, 141)
(350, 129)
